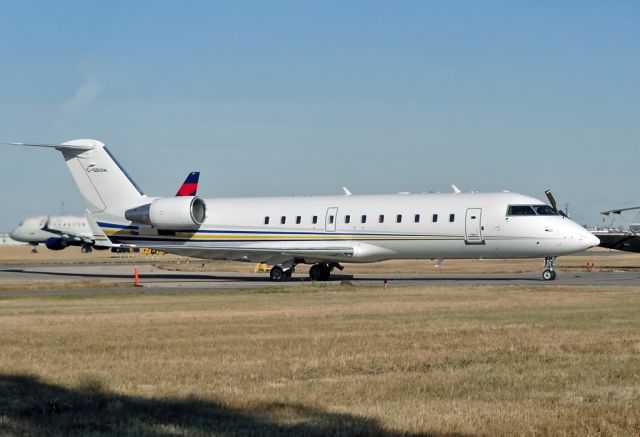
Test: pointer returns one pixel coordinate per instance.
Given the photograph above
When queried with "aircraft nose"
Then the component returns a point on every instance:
(586, 239)
(591, 240)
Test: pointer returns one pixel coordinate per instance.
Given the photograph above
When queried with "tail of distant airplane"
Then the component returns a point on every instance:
(190, 185)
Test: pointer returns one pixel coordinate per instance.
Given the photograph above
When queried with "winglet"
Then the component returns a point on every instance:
(190, 185)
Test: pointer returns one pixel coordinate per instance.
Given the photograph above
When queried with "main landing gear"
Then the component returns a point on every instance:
(317, 272)
(322, 271)
(548, 271)
(279, 274)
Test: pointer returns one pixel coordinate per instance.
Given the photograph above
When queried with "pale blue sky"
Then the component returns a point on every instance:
(298, 97)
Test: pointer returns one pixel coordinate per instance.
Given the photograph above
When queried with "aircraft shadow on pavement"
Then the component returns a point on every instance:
(29, 406)
(190, 277)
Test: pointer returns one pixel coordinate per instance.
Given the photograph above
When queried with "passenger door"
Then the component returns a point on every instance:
(331, 219)
(473, 226)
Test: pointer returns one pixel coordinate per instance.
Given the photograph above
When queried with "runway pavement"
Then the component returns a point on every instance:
(51, 279)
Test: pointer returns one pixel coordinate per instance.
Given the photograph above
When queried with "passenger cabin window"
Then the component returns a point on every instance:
(266, 220)
(434, 218)
(363, 219)
(520, 210)
(314, 220)
(381, 218)
(283, 220)
(331, 219)
(416, 218)
(452, 218)
(399, 218)
(298, 220)
(347, 219)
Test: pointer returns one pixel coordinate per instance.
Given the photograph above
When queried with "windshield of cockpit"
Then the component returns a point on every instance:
(514, 210)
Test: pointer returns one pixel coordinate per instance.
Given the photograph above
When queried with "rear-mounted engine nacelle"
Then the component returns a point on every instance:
(170, 213)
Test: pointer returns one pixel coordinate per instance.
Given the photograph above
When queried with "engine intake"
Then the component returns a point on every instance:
(185, 212)
(55, 243)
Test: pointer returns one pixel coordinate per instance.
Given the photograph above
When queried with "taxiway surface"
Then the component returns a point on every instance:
(51, 279)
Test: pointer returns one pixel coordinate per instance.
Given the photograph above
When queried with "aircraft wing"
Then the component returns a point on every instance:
(618, 211)
(68, 236)
(286, 251)
(255, 253)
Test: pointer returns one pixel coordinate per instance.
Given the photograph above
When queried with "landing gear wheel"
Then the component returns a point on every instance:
(288, 274)
(277, 274)
(548, 271)
(326, 273)
(315, 272)
(320, 272)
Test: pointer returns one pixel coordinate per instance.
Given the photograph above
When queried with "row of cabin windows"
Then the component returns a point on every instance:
(363, 219)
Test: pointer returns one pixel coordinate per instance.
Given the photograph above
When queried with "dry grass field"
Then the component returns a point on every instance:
(324, 359)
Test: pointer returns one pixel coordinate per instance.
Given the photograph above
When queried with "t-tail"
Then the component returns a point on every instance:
(114, 200)
(104, 184)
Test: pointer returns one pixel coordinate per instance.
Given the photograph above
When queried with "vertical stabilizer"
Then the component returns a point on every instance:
(190, 185)
(104, 184)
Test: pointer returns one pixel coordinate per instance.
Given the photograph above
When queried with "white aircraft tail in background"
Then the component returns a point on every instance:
(323, 231)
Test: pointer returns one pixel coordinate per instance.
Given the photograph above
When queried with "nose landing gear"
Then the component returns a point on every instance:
(548, 271)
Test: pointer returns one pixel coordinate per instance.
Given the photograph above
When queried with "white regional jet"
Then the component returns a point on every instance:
(323, 231)
(60, 232)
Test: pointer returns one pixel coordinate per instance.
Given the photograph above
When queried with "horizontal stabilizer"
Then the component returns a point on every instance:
(55, 146)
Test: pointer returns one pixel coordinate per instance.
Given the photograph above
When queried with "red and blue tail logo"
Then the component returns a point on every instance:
(190, 185)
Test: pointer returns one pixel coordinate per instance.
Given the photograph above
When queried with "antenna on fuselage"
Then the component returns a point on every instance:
(456, 189)
(346, 191)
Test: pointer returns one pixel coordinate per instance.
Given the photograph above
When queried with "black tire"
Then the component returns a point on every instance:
(326, 272)
(277, 274)
(548, 275)
(315, 272)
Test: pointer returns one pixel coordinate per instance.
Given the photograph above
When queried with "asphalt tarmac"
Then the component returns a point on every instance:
(51, 279)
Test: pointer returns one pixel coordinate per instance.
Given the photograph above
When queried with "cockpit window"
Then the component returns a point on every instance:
(530, 210)
(544, 210)
(520, 210)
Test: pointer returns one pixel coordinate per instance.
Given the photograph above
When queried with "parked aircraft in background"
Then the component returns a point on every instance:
(629, 241)
(59, 232)
(323, 231)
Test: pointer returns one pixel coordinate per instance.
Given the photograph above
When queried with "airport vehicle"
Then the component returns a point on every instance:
(59, 232)
(323, 231)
